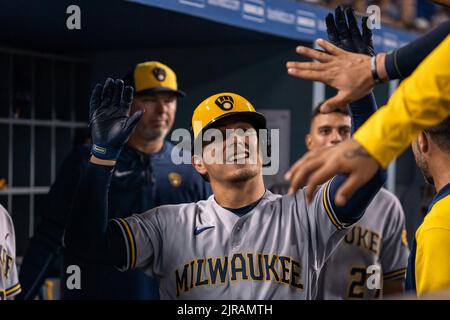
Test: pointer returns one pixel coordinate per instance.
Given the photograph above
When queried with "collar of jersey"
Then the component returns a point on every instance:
(444, 192)
(244, 210)
(235, 216)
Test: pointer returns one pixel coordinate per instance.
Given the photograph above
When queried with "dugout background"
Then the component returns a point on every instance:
(47, 73)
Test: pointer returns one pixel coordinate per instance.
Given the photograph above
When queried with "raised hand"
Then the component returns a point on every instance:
(318, 166)
(347, 36)
(347, 72)
(109, 120)
(345, 65)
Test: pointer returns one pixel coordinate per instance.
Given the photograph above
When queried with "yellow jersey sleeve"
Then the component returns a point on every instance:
(421, 101)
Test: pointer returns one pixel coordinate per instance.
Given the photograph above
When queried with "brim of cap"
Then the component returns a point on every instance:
(257, 119)
(160, 89)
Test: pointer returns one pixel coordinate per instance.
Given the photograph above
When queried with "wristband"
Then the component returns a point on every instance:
(105, 153)
(373, 69)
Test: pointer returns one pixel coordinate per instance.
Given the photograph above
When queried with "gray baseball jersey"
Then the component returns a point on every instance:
(203, 251)
(9, 282)
(378, 239)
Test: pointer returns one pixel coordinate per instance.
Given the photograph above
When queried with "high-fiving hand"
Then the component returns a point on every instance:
(345, 66)
(109, 119)
(339, 67)
(320, 165)
(348, 36)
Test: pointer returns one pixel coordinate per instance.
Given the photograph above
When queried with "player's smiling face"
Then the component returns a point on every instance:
(234, 157)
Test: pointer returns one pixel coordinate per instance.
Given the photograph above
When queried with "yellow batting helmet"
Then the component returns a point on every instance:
(224, 106)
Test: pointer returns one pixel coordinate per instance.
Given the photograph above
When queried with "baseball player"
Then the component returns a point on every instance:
(9, 282)
(379, 238)
(429, 262)
(144, 178)
(241, 243)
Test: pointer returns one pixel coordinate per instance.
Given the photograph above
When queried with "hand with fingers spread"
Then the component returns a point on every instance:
(109, 120)
(318, 166)
(348, 72)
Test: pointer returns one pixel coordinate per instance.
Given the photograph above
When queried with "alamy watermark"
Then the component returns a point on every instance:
(73, 21)
(374, 17)
(374, 277)
(73, 281)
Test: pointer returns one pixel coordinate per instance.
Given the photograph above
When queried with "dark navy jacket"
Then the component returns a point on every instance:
(140, 182)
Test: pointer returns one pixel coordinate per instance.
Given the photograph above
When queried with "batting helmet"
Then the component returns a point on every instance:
(221, 106)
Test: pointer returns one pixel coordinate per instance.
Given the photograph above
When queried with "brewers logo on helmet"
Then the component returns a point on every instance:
(225, 102)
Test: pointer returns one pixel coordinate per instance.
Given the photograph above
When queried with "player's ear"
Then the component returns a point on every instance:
(198, 164)
(423, 142)
(308, 141)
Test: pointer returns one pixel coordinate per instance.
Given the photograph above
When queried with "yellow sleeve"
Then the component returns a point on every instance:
(421, 101)
(432, 265)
